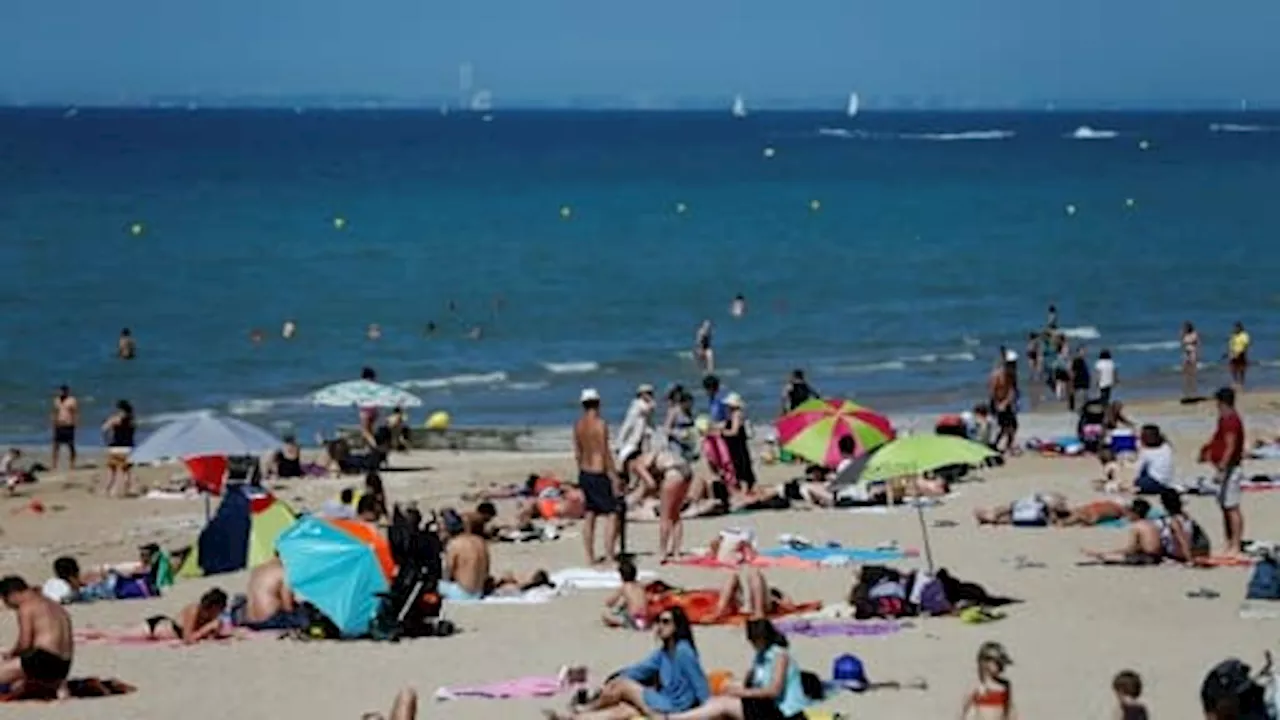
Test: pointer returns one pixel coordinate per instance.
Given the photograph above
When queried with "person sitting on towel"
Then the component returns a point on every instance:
(1149, 542)
(466, 568)
(41, 657)
(748, 594)
(269, 603)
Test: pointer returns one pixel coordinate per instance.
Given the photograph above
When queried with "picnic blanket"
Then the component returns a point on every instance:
(700, 606)
(526, 687)
(79, 688)
(838, 628)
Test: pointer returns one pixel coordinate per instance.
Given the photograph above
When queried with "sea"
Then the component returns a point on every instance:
(890, 255)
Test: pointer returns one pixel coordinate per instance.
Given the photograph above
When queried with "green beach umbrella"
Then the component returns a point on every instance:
(919, 454)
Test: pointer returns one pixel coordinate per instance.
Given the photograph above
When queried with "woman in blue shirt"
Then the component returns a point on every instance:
(670, 680)
(774, 689)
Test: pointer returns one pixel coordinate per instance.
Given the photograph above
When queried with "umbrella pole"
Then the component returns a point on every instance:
(924, 528)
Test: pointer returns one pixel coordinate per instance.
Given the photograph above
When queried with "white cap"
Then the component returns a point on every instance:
(643, 388)
(589, 395)
(733, 400)
(1010, 356)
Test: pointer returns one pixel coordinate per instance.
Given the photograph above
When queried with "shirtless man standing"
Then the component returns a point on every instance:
(126, 346)
(270, 605)
(597, 475)
(1002, 406)
(66, 415)
(43, 652)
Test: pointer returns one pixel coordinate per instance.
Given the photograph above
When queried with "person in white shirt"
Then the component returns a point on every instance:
(1105, 370)
(1156, 471)
(634, 432)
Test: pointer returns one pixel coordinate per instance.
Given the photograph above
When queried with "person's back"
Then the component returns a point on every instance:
(50, 625)
(267, 591)
(589, 436)
(467, 563)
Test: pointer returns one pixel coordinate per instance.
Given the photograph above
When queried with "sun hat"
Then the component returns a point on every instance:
(848, 672)
(589, 395)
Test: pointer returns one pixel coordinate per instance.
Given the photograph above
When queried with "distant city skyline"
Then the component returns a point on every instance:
(658, 54)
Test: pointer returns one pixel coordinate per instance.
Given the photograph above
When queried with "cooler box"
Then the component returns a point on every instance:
(1124, 441)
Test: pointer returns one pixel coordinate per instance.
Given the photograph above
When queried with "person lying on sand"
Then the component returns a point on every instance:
(198, 621)
(1052, 509)
(405, 707)
(748, 593)
(467, 567)
(628, 606)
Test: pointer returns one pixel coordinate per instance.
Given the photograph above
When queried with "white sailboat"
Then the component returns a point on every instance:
(852, 109)
(739, 107)
(482, 101)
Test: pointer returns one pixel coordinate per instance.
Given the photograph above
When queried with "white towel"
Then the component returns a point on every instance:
(592, 579)
(536, 596)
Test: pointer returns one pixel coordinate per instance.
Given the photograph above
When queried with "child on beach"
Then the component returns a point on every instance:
(1128, 688)
(627, 607)
(198, 621)
(992, 698)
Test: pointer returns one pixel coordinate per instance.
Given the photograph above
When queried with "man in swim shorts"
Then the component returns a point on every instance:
(66, 414)
(45, 647)
(597, 476)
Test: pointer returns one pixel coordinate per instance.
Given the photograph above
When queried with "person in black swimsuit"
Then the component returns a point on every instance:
(702, 352)
(287, 461)
(796, 391)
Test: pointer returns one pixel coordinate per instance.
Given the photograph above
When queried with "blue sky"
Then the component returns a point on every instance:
(1131, 51)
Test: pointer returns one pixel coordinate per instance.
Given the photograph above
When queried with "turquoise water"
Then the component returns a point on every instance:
(937, 238)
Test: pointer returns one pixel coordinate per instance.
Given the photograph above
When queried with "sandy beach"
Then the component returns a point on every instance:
(1077, 627)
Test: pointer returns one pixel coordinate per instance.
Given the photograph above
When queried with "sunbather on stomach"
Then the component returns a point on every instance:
(198, 621)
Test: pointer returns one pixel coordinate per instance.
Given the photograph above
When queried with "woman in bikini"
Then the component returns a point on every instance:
(198, 621)
(992, 698)
(671, 475)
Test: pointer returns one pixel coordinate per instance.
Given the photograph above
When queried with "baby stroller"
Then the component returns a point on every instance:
(412, 607)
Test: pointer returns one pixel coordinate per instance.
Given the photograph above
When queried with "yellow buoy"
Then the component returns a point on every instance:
(136, 229)
(814, 205)
(1071, 209)
(769, 152)
(339, 223)
(438, 420)
(681, 208)
(566, 212)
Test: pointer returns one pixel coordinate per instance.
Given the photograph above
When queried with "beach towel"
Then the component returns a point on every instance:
(700, 606)
(1265, 452)
(709, 561)
(79, 688)
(527, 687)
(536, 596)
(830, 555)
(838, 628)
(592, 579)
(135, 636)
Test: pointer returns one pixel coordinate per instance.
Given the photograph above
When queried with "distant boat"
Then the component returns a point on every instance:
(739, 107)
(482, 101)
(71, 112)
(852, 110)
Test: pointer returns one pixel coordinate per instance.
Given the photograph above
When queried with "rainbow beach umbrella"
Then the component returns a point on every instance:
(814, 428)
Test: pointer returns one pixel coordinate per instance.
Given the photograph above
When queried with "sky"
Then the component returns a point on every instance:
(955, 51)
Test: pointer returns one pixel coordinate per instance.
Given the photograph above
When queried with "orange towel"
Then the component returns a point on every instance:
(700, 606)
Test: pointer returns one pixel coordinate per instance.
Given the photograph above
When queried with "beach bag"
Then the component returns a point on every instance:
(933, 598)
(134, 588)
(1030, 512)
(1264, 584)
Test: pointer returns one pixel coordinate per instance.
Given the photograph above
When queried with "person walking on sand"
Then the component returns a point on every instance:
(597, 476)
(1238, 355)
(1003, 401)
(45, 647)
(702, 352)
(66, 415)
(992, 697)
(1105, 369)
(1225, 450)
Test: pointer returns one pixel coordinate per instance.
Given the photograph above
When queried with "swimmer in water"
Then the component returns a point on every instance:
(288, 330)
(702, 352)
(430, 329)
(475, 333)
(256, 336)
(126, 346)
(374, 332)
(738, 307)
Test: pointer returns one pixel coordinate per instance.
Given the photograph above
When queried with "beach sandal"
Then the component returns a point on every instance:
(945, 523)
(1204, 593)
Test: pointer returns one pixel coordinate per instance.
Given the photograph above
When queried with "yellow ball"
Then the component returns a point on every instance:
(339, 223)
(702, 423)
(438, 420)
(814, 205)
(566, 212)
(136, 229)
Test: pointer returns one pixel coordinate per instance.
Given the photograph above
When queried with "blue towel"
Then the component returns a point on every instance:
(861, 555)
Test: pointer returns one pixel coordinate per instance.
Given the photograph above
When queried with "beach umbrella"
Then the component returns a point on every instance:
(339, 566)
(814, 428)
(915, 455)
(362, 394)
(204, 434)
